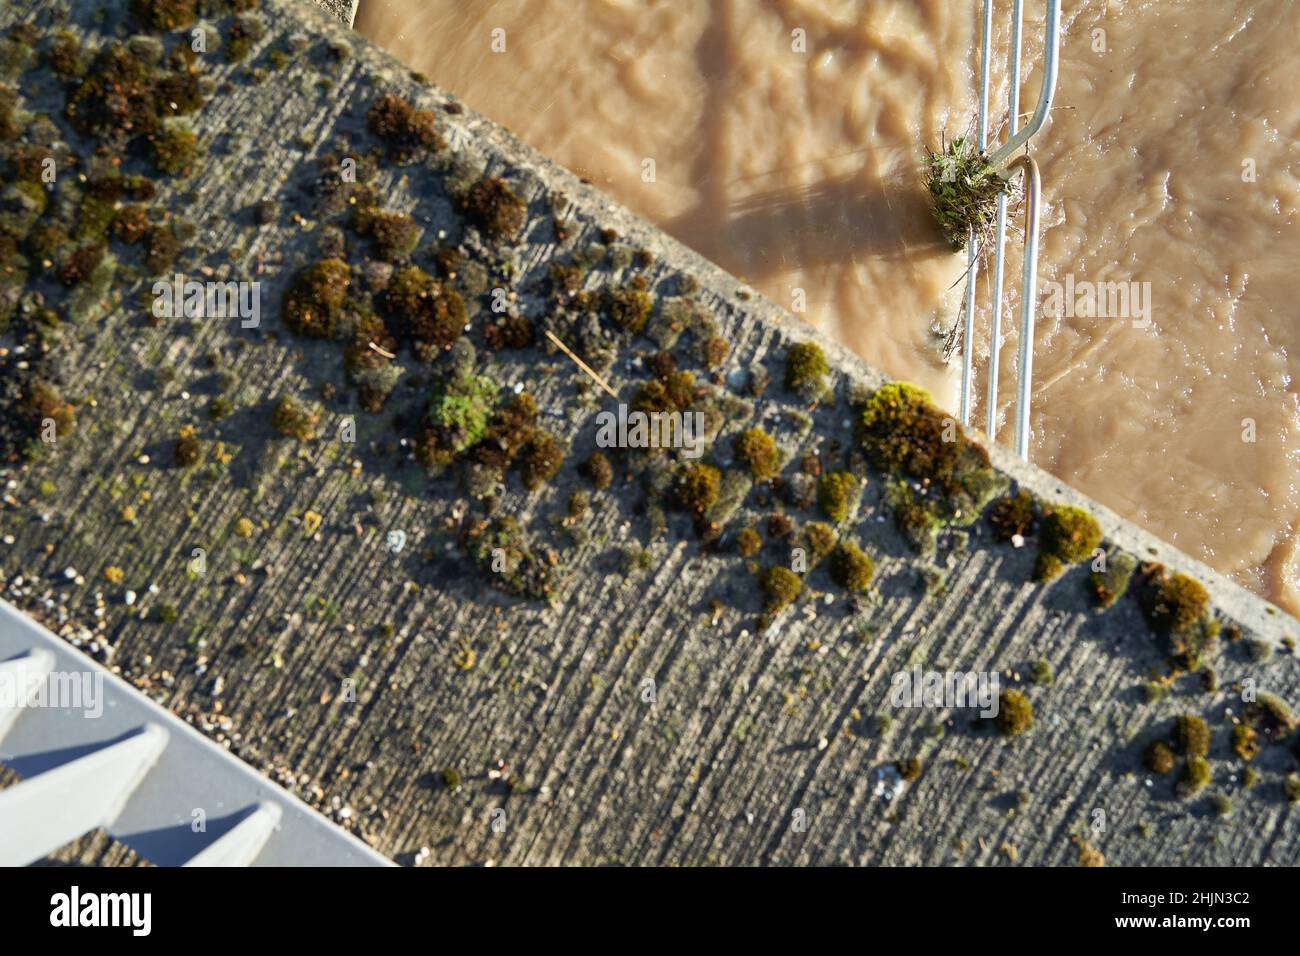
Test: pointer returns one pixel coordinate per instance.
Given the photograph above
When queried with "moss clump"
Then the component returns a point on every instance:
(1192, 735)
(757, 449)
(672, 394)
(431, 314)
(696, 488)
(311, 306)
(748, 542)
(806, 369)
(1245, 742)
(43, 402)
(1109, 585)
(1089, 856)
(1291, 788)
(1068, 535)
(295, 419)
(188, 451)
(131, 224)
(458, 415)
(491, 205)
(914, 516)
(1040, 672)
(451, 778)
(360, 355)
(1012, 515)
(905, 435)
(820, 538)
(714, 351)
(160, 249)
(45, 240)
(118, 100)
(598, 470)
(963, 190)
(165, 14)
(1158, 757)
(1195, 775)
(780, 585)
(1269, 714)
(64, 56)
(540, 459)
(94, 218)
(851, 568)
(1174, 602)
(80, 263)
(909, 769)
(395, 235)
(837, 494)
(243, 35)
(408, 132)
(1015, 714)
(174, 148)
(509, 332)
(629, 307)
(501, 552)
(510, 430)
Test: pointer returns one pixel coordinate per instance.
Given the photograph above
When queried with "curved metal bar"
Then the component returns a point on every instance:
(1028, 299)
(1051, 49)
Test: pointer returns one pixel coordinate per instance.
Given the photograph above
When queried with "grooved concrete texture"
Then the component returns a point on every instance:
(344, 10)
(757, 748)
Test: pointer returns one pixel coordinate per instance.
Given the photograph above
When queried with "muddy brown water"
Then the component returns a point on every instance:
(786, 135)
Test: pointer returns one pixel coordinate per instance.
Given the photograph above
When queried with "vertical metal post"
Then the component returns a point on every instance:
(972, 248)
(1000, 239)
(1028, 302)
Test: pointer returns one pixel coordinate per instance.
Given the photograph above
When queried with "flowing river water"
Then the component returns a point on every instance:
(787, 139)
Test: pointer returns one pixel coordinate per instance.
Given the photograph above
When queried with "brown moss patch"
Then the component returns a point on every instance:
(312, 304)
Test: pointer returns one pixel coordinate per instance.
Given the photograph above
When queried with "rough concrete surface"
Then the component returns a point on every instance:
(758, 747)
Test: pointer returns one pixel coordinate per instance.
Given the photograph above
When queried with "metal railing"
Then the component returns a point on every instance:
(1001, 161)
(95, 753)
